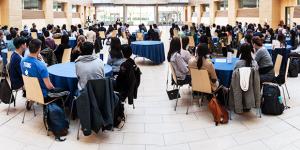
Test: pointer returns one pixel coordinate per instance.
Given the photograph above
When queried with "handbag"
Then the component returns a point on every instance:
(174, 93)
(6, 95)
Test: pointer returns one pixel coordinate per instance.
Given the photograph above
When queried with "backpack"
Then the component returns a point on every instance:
(6, 95)
(272, 102)
(219, 113)
(294, 68)
(49, 56)
(56, 121)
(119, 114)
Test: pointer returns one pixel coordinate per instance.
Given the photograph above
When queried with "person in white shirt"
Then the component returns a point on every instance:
(279, 43)
(90, 35)
(185, 54)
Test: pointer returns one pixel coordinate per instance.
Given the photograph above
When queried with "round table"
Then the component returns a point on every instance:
(269, 48)
(72, 42)
(224, 70)
(153, 50)
(64, 76)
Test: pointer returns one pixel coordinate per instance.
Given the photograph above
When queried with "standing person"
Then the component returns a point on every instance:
(264, 61)
(61, 48)
(102, 28)
(91, 35)
(88, 66)
(33, 29)
(80, 30)
(2, 42)
(10, 44)
(98, 44)
(177, 62)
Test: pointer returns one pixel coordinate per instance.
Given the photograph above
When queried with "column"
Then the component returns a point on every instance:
(48, 11)
(14, 13)
(81, 12)
(189, 13)
(268, 12)
(125, 13)
(233, 6)
(68, 12)
(199, 10)
(156, 14)
(212, 11)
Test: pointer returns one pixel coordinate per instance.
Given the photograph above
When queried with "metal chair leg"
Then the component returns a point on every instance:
(11, 97)
(287, 91)
(191, 103)
(24, 112)
(230, 115)
(177, 99)
(33, 110)
(15, 98)
(285, 103)
(78, 129)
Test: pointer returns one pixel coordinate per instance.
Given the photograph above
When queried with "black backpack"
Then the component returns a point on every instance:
(56, 121)
(6, 95)
(272, 102)
(294, 68)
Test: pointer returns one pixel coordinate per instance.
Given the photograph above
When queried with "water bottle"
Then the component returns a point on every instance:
(280, 99)
(229, 57)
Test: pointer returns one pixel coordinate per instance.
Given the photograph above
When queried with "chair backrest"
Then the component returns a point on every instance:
(191, 41)
(174, 77)
(114, 33)
(277, 65)
(66, 56)
(175, 32)
(9, 53)
(102, 34)
(139, 36)
(57, 41)
(287, 68)
(200, 81)
(34, 35)
(33, 89)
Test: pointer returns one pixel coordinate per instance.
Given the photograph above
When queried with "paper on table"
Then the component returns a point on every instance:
(220, 60)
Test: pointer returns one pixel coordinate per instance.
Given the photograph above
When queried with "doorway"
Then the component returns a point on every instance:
(288, 16)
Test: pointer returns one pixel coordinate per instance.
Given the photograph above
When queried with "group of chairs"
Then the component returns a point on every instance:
(200, 83)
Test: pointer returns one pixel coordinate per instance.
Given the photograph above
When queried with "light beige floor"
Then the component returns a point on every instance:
(154, 125)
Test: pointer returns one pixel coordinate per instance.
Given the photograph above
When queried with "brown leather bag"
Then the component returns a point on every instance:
(219, 112)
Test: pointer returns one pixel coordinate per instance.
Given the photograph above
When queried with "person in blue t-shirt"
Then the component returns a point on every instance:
(31, 66)
(14, 68)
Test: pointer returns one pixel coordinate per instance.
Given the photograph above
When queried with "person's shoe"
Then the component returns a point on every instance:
(29, 105)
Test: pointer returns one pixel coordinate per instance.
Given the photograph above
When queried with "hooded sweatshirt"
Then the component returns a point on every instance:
(88, 67)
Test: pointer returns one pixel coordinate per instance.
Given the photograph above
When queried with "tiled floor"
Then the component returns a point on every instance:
(154, 125)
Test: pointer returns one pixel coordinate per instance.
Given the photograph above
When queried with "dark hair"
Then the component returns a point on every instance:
(115, 48)
(257, 40)
(19, 41)
(126, 50)
(42, 39)
(175, 46)
(202, 51)
(203, 39)
(248, 38)
(35, 45)
(246, 55)
(102, 24)
(90, 28)
(65, 40)
(87, 48)
(64, 27)
(46, 34)
(13, 33)
(281, 38)
(185, 41)
(79, 25)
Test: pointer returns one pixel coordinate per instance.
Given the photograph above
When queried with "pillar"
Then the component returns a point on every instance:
(81, 12)
(233, 6)
(268, 12)
(156, 14)
(212, 11)
(48, 11)
(199, 10)
(12, 14)
(189, 13)
(68, 12)
(124, 13)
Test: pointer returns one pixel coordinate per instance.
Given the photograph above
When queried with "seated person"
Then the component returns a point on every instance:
(33, 67)
(128, 78)
(177, 62)
(201, 62)
(88, 66)
(49, 41)
(246, 59)
(264, 61)
(15, 72)
(279, 43)
(115, 58)
(185, 54)
(76, 50)
(59, 52)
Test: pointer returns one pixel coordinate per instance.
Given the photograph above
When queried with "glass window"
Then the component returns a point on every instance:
(58, 6)
(74, 9)
(140, 14)
(223, 5)
(170, 14)
(32, 4)
(249, 3)
(109, 14)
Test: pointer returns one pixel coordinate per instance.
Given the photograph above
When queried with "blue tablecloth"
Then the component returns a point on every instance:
(72, 41)
(269, 48)
(64, 76)
(153, 50)
(4, 56)
(224, 71)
